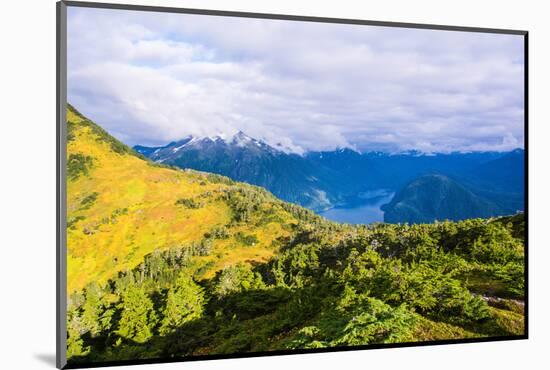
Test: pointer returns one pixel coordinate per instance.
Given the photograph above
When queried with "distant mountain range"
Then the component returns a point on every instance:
(478, 184)
(289, 176)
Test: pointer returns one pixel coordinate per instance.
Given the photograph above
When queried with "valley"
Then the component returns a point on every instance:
(164, 262)
(331, 183)
(367, 209)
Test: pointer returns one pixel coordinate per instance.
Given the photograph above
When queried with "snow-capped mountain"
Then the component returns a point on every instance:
(322, 180)
(243, 158)
(172, 151)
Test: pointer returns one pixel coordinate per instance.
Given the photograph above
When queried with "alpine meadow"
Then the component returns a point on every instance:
(244, 186)
(164, 262)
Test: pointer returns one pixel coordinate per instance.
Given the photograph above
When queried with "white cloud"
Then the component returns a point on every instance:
(150, 78)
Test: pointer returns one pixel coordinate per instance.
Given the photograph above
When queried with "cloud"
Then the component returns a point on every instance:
(151, 78)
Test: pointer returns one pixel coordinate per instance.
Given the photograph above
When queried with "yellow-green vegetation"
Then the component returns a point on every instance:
(165, 262)
(122, 207)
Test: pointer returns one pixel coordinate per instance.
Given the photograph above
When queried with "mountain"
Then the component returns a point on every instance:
(375, 170)
(238, 142)
(437, 197)
(122, 207)
(495, 178)
(359, 172)
(505, 173)
(170, 263)
(323, 180)
(242, 158)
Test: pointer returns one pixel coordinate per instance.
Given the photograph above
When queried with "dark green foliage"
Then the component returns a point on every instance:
(70, 131)
(296, 267)
(301, 213)
(184, 303)
(75, 331)
(329, 285)
(189, 203)
(243, 202)
(480, 240)
(72, 221)
(512, 277)
(249, 240)
(356, 319)
(88, 200)
(78, 165)
(115, 215)
(236, 279)
(96, 311)
(137, 318)
(425, 290)
(515, 224)
(246, 201)
(71, 126)
(220, 232)
(219, 179)
(249, 298)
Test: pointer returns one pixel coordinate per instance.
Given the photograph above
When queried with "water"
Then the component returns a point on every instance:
(366, 213)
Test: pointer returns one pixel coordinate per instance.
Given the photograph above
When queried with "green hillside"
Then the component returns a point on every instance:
(437, 197)
(165, 262)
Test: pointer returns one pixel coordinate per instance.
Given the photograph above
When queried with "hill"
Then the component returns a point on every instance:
(165, 263)
(122, 207)
(437, 197)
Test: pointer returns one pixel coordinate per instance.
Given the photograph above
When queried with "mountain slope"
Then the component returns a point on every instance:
(437, 197)
(122, 207)
(492, 183)
(242, 158)
(324, 180)
(375, 170)
(505, 173)
(165, 263)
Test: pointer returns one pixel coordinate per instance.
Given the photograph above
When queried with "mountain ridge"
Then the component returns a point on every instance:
(438, 197)
(290, 177)
(168, 263)
(121, 206)
(329, 179)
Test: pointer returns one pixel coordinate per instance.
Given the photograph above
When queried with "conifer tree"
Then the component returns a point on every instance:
(184, 303)
(138, 318)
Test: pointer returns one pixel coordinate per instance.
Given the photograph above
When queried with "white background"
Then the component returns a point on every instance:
(27, 193)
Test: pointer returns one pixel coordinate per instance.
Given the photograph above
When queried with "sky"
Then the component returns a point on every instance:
(152, 78)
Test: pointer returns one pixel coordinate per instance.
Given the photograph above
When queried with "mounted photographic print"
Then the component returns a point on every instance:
(236, 184)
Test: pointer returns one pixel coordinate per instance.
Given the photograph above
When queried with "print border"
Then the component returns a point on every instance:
(61, 194)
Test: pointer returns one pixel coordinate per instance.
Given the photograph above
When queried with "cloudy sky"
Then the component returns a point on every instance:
(151, 78)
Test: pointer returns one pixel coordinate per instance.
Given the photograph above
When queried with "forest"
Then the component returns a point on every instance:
(331, 285)
(164, 262)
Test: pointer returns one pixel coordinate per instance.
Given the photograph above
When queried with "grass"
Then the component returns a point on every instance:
(103, 240)
(429, 330)
(485, 283)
